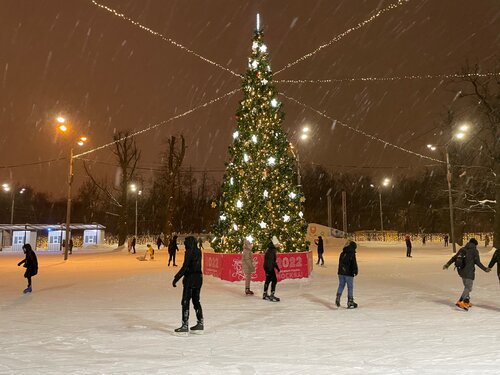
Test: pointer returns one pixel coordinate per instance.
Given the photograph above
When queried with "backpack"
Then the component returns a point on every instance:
(460, 259)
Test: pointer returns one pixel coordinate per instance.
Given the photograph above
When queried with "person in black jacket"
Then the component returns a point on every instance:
(132, 244)
(192, 282)
(348, 268)
(468, 270)
(159, 242)
(408, 246)
(495, 259)
(172, 249)
(321, 250)
(31, 264)
(269, 266)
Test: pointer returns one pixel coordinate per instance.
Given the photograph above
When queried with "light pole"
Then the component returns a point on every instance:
(133, 189)
(80, 141)
(385, 182)
(461, 134)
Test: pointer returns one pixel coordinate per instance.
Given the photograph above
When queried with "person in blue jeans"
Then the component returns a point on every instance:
(348, 268)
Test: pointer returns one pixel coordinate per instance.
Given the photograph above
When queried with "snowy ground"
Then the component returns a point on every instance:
(107, 313)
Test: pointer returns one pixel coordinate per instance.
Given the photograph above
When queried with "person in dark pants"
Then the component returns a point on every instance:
(192, 283)
(31, 264)
(70, 246)
(348, 268)
(159, 242)
(270, 265)
(321, 250)
(446, 240)
(495, 259)
(172, 249)
(132, 245)
(408, 246)
(467, 271)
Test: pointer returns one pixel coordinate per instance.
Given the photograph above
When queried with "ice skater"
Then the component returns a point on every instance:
(321, 250)
(446, 240)
(247, 265)
(31, 264)
(159, 242)
(270, 265)
(151, 251)
(466, 260)
(132, 245)
(408, 246)
(495, 260)
(172, 250)
(192, 283)
(348, 268)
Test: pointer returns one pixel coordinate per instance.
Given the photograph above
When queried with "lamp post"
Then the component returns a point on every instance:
(133, 189)
(461, 134)
(385, 182)
(80, 142)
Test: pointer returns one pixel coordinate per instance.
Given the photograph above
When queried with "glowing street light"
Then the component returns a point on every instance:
(60, 119)
(134, 189)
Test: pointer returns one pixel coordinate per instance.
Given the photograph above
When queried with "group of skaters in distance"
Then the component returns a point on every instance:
(465, 261)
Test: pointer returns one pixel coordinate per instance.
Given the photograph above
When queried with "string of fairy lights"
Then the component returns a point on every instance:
(389, 79)
(368, 135)
(345, 33)
(162, 123)
(163, 37)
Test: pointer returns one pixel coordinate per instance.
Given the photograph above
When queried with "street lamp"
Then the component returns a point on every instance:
(304, 135)
(385, 182)
(459, 135)
(80, 142)
(134, 189)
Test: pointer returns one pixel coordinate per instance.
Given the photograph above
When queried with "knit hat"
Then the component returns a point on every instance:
(474, 241)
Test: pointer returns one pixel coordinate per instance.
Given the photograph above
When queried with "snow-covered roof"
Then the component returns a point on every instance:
(73, 226)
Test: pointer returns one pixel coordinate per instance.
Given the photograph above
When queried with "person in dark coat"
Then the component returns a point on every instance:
(192, 283)
(31, 264)
(159, 242)
(70, 246)
(446, 240)
(321, 250)
(270, 265)
(495, 259)
(408, 246)
(172, 249)
(348, 268)
(468, 271)
(132, 245)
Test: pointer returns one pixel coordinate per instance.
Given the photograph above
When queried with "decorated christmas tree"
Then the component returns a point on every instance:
(260, 194)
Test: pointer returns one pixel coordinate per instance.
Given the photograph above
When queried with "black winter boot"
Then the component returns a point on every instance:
(337, 300)
(273, 298)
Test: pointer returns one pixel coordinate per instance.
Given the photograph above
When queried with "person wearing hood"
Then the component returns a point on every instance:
(172, 249)
(247, 265)
(270, 265)
(469, 259)
(31, 264)
(495, 259)
(348, 268)
(192, 282)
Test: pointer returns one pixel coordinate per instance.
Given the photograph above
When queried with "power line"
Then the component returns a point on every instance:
(31, 163)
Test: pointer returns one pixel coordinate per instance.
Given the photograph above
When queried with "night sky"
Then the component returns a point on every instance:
(71, 58)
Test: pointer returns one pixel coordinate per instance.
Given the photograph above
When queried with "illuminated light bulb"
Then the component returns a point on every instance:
(271, 160)
(249, 238)
(239, 203)
(231, 180)
(63, 128)
(84, 139)
(263, 48)
(254, 138)
(301, 214)
(464, 128)
(460, 135)
(266, 193)
(255, 45)
(292, 195)
(286, 218)
(264, 81)
(304, 137)
(263, 225)
(255, 64)
(223, 217)
(235, 227)
(274, 103)
(246, 157)
(236, 134)
(80, 143)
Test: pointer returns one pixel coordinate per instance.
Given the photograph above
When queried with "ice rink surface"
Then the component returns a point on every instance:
(105, 312)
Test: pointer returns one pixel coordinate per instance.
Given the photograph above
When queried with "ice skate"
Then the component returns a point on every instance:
(273, 298)
(351, 304)
(337, 300)
(27, 290)
(265, 296)
(462, 305)
(197, 329)
(248, 292)
(182, 330)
